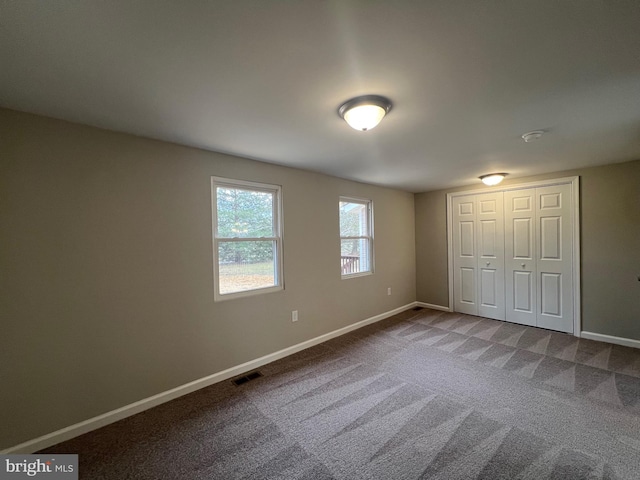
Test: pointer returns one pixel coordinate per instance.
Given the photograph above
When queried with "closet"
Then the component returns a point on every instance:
(513, 254)
(479, 255)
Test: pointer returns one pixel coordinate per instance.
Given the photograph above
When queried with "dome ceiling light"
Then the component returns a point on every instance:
(532, 136)
(365, 112)
(492, 178)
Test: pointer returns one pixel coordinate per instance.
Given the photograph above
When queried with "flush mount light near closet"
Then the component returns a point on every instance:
(365, 112)
(492, 178)
(532, 136)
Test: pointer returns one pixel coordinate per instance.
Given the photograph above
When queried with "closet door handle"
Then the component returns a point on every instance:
(523, 265)
(488, 263)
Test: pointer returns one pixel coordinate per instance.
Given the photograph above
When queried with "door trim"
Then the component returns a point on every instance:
(575, 218)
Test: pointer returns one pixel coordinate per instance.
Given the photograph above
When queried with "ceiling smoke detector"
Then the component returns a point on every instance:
(532, 136)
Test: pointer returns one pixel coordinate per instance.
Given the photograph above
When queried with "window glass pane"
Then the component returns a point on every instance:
(354, 256)
(354, 219)
(246, 265)
(244, 213)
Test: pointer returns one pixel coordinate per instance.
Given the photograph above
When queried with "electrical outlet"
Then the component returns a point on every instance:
(389, 291)
(294, 316)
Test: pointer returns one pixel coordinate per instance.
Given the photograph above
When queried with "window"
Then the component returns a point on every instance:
(247, 238)
(356, 236)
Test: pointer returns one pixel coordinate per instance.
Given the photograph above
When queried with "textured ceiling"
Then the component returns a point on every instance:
(263, 79)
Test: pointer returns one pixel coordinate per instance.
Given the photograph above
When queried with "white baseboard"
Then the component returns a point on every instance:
(627, 342)
(94, 423)
(433, 307)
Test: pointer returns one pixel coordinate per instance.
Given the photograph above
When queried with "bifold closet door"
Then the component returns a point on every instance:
(490, 247)
(539, 257)
(555, 258)
(478, 255)
(520, 255)
(465, 259)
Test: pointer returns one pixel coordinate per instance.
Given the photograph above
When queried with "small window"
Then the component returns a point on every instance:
(356, 236)
(247, 238)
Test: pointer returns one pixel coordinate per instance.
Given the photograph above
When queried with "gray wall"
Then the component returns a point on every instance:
(106, 270)
(610, 244)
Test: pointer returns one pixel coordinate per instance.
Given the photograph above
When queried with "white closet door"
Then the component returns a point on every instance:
(513, 255)
(490, 248)
(465, 259)
(520, 253)
(555, 247)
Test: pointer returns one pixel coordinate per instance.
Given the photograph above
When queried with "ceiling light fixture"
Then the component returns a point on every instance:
(532, 136)
(365, 112)
(492, 178)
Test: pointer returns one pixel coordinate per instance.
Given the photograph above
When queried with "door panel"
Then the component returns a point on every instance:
(488, 204)
(550, 238)
(551, 291)
(466, 207)
(490, 222)
(467, 239)
(488, 282)
(550, 200)
(555, 258)
(519, 256)
(468, 285)
(465, 261)
(522, 203)
(488, 238)
(522, 301)
(523, 238)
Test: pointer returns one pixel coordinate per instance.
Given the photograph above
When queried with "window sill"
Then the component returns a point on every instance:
(355, 275)
(246, 293)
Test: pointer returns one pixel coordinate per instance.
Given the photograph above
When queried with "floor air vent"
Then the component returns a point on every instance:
(246, 378)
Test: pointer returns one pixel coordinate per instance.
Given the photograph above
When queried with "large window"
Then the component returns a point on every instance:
(356, 236)
(247, 238)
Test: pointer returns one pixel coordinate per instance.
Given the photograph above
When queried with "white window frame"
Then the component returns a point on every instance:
(276, 191)
(369, 205)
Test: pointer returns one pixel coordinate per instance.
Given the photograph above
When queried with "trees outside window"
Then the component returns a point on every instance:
(247, 238)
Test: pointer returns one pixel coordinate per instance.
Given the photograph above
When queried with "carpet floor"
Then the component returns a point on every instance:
(423, 394)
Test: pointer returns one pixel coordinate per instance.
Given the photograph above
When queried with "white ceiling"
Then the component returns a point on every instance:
(263, 79)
